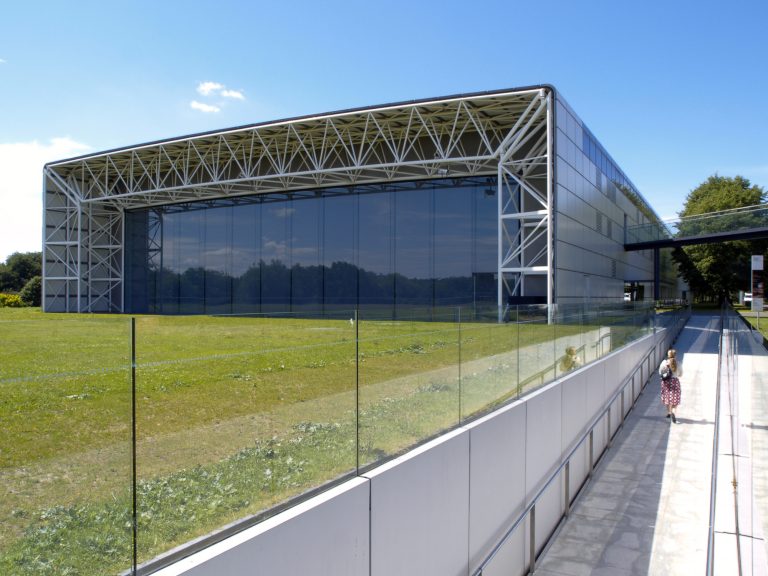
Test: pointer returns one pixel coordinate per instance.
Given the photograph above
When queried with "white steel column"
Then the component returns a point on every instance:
(550, 207)
(525, 203)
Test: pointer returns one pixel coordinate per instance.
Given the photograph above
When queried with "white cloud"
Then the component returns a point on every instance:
(207, 108)
(2, 61)
(21, 177)
(205, 88)
(236, 94)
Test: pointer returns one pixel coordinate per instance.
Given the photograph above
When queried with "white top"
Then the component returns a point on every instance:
(678, 372)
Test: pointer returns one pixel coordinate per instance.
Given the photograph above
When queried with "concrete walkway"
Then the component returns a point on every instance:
(646, 511)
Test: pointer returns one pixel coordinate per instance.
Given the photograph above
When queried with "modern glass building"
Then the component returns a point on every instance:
(482, 199)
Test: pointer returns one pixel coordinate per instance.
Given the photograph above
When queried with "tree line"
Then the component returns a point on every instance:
(21, 279)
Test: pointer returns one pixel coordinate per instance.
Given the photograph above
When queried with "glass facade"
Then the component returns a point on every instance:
(389, 247)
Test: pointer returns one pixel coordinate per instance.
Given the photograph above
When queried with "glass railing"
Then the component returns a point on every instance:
(726, 221)
(123, 439)
(65, 444)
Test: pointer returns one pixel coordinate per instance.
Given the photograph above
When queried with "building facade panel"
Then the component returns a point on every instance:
(593, 194)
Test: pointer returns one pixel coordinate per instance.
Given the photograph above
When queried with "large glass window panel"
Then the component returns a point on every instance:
(375, 251)
(170, 270)
(373, 246)
(246, 256)
(453, 246)
(275, 254)
(306, 273)
(154, 259)
(192, 283)
(217, 256)
(339, 262)
(485, 247)
(413, 248)
(137, 261)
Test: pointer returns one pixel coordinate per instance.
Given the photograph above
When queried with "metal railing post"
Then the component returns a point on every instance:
(533, 539)
(568, 488)
(621, 420)
(610, 435)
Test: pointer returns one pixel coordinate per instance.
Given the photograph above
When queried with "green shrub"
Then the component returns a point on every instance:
(31, 292)
(10, 301)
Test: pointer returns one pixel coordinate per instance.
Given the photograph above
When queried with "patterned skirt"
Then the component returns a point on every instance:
(670, 392)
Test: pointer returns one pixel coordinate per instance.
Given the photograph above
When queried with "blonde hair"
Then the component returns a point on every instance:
(569, 360)
(671, 360)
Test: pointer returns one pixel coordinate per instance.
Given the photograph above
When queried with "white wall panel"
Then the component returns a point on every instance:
(579, 469)
(497, 485)
(543, 436)
(420, 510)
(512, 558)
(549, 510)
(575, 417)
(324, 536)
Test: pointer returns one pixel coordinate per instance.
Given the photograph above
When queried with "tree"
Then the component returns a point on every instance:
(719, 268)
(20, 268)
(31, 294)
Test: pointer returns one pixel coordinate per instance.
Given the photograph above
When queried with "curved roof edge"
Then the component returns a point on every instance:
(345, 111)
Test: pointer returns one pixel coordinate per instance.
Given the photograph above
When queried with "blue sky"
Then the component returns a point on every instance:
(675, 90)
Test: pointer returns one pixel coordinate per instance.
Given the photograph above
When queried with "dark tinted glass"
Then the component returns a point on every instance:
(170, 264)
(375, 253)
(275, 266)
(190, 240)
(306, 243)
(453, 246)
(339, 250)
(246, 255)
(418, 244)
(217, 256)
(137, 262)
(485, 260)
(413, 248)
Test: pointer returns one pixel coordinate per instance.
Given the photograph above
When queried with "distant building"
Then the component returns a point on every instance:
(483, 199)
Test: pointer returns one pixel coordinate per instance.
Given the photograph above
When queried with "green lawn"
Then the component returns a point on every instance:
(233, 416)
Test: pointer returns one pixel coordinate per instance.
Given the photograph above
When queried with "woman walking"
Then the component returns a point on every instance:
(670, 370)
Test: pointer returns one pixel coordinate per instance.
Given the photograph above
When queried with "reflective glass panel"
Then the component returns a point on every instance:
(275, 257)
(413, 249)
(306, 247)
(217, 259)
(375, 251)
(339, 251)
(453, 246)
(246, 258)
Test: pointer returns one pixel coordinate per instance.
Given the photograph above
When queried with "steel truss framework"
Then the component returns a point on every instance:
(507, 134)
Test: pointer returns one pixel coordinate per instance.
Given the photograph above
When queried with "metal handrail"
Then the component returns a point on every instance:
(565, 466)
(726, 313)
(715, 450)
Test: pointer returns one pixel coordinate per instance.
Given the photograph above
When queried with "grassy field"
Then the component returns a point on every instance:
(233, 416)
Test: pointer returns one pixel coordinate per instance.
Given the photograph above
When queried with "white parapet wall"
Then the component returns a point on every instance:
(442, 508)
